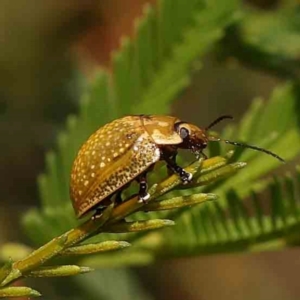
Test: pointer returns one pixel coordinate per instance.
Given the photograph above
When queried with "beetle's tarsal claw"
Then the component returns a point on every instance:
(186, 177)
(204, 155)
(144, 199)
(97, 214)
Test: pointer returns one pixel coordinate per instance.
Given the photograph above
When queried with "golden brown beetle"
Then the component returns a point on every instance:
(126, 149)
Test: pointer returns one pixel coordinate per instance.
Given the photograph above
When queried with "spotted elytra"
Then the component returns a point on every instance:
(127, 149)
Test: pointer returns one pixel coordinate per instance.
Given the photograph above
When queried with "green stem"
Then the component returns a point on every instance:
(91, 227)
(109, 217)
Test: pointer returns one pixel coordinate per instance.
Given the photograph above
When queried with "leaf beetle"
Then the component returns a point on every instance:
(126, 149)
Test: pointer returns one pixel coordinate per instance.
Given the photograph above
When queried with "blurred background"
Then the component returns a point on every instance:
(48, 49)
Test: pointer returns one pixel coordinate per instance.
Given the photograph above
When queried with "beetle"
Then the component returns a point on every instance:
(126, 149)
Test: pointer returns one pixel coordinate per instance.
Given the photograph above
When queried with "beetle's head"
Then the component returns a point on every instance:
(196, 139)
(193, 137)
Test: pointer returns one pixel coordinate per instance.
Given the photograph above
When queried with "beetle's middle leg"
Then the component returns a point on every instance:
(118, 197)
(143, 191)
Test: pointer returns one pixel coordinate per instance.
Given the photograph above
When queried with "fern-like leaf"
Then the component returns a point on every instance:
(147, 73)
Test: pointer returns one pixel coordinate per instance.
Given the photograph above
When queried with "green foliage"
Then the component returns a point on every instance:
(267, 40)
(255, 211)
(147, 74)
(166, 62)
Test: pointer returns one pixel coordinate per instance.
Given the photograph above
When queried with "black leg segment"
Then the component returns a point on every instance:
(185, 176)
(173, 159)
(143, 191)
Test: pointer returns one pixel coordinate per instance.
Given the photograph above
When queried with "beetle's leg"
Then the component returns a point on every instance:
(118, 198)
(143, 194)
(204, 155)
(171, 153)
(184, 176)
(98, 212)
(106, 202)
(173, 158)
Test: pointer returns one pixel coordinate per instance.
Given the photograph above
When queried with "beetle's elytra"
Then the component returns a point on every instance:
(126, 149)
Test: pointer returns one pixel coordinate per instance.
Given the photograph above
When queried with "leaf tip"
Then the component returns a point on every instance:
(34, 293)
(84, 270)
(167, 222)
(212, 197)
(123, 244)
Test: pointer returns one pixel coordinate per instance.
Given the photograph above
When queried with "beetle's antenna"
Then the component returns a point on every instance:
(218, 120)
(213, 139)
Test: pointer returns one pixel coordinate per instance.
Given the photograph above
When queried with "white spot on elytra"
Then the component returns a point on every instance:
(115, 154)
(93, 174)
(102, 165)
(136, 148)
(107, 144)
(92, 166)
(86, 183)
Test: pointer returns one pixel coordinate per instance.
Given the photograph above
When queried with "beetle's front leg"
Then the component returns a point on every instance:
(171, 164)
(173, 159)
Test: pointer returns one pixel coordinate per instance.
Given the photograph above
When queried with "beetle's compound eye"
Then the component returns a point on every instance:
(182, 129)
(184, 133)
